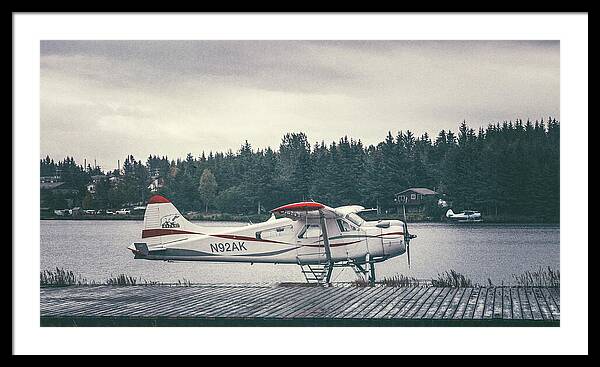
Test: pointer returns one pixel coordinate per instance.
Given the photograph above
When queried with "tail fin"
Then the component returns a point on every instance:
(163, 223)
(449, 213)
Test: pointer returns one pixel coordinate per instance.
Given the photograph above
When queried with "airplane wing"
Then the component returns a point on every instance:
(305, 209)
(311, 209)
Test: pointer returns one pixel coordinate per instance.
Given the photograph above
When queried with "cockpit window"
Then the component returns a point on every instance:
(344, 226)
(354, 218)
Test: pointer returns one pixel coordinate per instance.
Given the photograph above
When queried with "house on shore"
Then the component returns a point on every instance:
(415, 199)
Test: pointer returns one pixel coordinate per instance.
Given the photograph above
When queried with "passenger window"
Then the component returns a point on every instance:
(310, 231)
(274, 232)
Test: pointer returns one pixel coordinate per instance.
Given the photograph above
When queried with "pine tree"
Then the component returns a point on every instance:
(207, 188)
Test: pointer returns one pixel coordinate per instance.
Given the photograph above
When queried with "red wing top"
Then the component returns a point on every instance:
(304, 206)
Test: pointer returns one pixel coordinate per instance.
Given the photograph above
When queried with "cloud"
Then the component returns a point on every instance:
(107, 99)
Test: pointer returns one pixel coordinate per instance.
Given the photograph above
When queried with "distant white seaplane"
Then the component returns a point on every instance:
(466, 216)
(309, 234)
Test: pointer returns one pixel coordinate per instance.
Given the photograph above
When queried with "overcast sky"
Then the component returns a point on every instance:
(105, 99)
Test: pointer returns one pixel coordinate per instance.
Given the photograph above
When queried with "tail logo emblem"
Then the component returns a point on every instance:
(170, 221)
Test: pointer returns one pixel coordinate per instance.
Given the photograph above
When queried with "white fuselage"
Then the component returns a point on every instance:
(281, 240)
(467, 215)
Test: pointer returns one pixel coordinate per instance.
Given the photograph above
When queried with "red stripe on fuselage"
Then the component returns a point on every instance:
(164, 232)
(146, 233)
(244, 238)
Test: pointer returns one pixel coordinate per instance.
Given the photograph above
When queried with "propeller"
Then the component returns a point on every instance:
(407, 236)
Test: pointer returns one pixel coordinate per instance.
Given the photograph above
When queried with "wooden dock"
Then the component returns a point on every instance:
(298, 305)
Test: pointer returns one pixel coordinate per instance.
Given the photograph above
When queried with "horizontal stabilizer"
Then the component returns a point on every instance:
(141, 248)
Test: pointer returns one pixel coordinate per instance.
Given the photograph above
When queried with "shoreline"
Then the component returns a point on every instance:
(256, 219)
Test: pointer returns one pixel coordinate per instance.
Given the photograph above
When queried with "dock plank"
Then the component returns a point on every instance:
(498, 299)
(340, 303)
(472, 303)
(439, 314)
(433, 307)
(407, 293)
(535, 308)
(480, 306)
(538, 305)
(63, 302)
(420, 302)
(299, 308)
(525, 306)
(292, 306)
(507, 304)
(255, 304)
(376, 301)
(399, 303)
(201, 298)
(462, 305)
(551, 304)
(291, 300)
(516, 304)
(427, 303)
(541, 300)
(488, 312)
(136, 301)
(221, 302)
(555, 293)
(398, 293)
(454, 304)
(330, 302)
(410, 303)
(356, 302)
(365, 305)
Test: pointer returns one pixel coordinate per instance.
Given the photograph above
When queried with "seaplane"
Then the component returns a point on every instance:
(312, 235)
(466, 216)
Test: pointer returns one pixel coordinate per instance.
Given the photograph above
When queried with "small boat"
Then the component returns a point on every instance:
(466, 216)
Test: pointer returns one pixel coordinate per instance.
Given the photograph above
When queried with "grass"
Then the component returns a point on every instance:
(121, 279)
(59, 277)
(452, 279)
(398, 280)
(543, 277)
(184, 282)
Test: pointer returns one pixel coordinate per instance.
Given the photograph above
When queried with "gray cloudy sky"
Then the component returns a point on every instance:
(105, 99)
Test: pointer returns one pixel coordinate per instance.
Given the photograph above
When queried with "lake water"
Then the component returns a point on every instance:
(97, 250)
